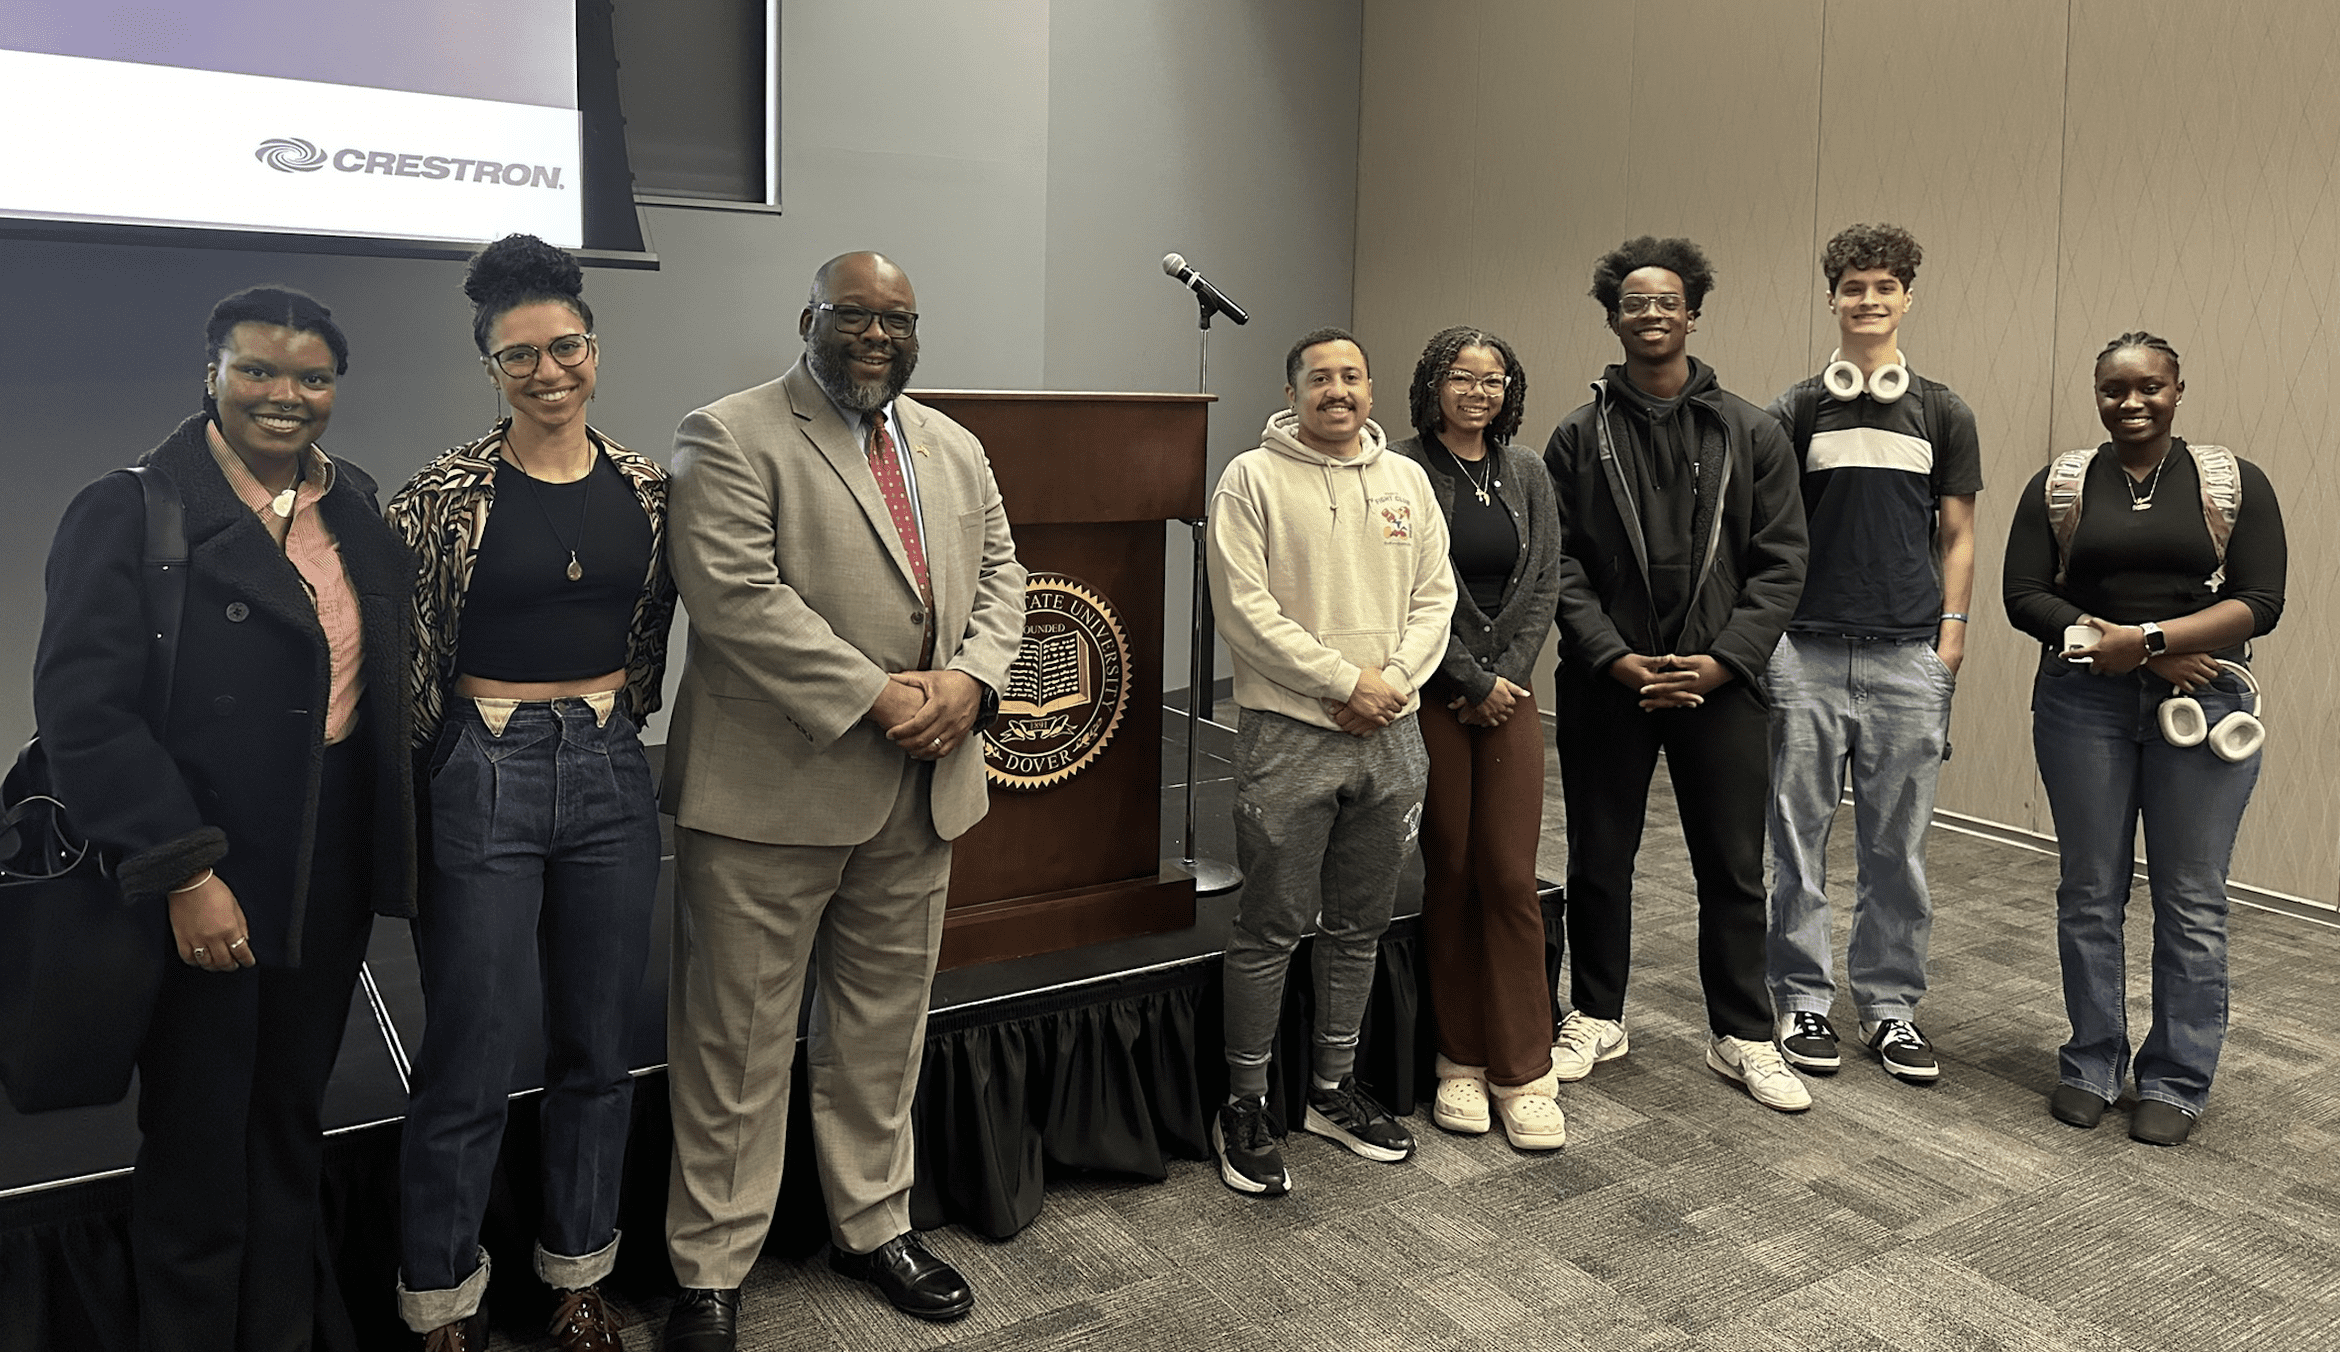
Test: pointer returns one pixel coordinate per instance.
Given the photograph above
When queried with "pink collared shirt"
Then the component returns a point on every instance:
(309, 544)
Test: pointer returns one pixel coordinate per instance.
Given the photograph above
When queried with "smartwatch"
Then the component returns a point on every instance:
(2156, 642)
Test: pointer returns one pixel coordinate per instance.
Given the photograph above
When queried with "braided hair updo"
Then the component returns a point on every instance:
(2140, 338)
(521, 270)
(281, 306)
(1430, 372)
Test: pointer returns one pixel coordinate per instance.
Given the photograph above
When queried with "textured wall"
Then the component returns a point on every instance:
(2074, 169)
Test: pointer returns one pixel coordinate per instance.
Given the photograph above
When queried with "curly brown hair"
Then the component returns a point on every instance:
(1676, 255)
(1438, 357)
(1857, 248)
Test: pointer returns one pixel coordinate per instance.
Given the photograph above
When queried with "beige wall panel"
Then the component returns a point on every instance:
(2206, 210)
(1725, 111)
(1948, 120)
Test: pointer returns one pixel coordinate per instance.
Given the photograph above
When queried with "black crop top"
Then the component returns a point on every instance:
(523, 619)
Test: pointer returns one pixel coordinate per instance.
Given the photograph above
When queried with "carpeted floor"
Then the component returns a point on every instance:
(1682, 1215)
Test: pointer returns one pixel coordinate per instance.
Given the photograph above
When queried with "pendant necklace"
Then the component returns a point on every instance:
(575, 570)
(1479, 486)
(2152, 486)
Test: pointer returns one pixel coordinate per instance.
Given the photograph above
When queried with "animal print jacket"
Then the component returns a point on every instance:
(442, 513)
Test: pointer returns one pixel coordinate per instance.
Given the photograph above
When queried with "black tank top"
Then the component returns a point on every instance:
(523, 618)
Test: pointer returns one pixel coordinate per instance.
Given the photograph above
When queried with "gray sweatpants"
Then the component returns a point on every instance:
(1323, 821)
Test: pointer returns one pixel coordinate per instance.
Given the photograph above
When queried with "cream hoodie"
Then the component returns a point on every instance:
(1321, 567)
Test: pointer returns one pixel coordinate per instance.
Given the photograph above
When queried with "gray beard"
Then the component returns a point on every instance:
(829, 367)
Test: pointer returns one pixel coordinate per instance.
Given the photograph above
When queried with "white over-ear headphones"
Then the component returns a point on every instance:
(2237, 737)
(1843, 379)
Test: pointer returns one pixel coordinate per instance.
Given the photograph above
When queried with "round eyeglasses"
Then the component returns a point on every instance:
(519, 361)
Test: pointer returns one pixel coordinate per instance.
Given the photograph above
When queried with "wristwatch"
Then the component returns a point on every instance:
(986, 712)
(2156, 642)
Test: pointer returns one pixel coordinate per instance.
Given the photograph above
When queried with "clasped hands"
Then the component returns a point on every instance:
(2120, 649)
(1370, 706)
(1672, 681)
(1491, 712)
(928, 714)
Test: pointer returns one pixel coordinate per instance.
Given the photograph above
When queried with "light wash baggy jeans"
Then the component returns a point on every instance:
(1880, 708)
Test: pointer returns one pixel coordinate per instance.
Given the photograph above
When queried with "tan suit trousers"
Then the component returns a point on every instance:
(749, 920)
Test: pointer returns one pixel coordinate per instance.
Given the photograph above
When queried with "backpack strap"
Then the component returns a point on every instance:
(2067, 475)
(1804, 415)
(2221, 482)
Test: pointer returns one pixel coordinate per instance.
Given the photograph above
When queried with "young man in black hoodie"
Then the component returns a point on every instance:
(1682, 555)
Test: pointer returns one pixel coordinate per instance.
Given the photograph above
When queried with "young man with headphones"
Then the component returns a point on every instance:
(1863, 676)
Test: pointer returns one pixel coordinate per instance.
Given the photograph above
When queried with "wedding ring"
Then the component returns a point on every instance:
(934, 745)
(198, 950)
(236, 945)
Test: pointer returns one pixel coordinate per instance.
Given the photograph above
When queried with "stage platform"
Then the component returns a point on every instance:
(1103, 1058)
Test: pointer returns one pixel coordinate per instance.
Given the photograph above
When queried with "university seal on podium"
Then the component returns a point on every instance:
(1066, 690)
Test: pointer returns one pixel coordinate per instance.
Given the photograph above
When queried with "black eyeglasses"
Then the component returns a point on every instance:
(1665, 302)
(519, 361)
(856, 319)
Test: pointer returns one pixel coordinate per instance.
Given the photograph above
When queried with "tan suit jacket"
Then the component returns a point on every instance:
(801, 601)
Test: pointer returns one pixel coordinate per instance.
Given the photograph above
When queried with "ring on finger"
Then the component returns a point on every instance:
(239, 943)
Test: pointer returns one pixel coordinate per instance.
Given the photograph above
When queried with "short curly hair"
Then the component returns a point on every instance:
(1675, 254)
(1859, 247)
(1438, 357)
(1327, 334)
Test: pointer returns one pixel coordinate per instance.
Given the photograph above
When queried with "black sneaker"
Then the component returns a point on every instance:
(1349, 1115)
(1906, 1054)
(1807, 1041)
(1250, 1160)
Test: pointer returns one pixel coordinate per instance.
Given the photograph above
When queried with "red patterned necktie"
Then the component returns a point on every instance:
(887, 466)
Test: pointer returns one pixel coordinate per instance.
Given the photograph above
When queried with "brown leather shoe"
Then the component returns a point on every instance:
(583, 1322)
(468, 1334)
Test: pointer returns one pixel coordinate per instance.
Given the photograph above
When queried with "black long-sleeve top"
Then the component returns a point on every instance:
(2131, 566)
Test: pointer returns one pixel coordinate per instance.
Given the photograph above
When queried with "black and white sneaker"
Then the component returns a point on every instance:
(1250, 1158)
(1906, 1054)
(1349, 1115)
(1807, 1041)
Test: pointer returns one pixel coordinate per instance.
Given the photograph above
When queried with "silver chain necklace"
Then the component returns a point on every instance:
(1479, 486)
(2152, 486)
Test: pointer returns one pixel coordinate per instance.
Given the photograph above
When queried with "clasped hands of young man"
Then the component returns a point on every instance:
(1669, 682)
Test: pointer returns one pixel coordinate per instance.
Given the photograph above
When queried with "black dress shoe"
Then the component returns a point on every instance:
(704, 1319)
(911, 1279)
(2070, 1103)
(2158, 1123)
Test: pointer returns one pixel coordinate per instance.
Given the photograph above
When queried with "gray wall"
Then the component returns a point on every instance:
(1027, 162)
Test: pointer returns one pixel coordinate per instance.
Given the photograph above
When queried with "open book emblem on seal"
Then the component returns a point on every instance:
(1067, 689)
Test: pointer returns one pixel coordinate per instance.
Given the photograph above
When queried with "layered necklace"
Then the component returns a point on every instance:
(2152, 485)
(1479, 483)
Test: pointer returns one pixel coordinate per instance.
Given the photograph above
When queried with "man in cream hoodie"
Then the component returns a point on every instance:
(1328, 568)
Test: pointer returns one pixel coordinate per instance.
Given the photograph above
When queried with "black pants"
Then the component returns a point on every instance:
(223, 1208)
(1720, 760)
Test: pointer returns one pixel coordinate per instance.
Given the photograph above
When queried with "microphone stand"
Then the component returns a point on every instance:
(1211, 876)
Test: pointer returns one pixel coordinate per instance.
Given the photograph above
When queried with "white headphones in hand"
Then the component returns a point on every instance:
(2237, 737)
(1844, 380)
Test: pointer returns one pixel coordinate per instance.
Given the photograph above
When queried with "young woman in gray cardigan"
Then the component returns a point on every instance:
(1484, 813)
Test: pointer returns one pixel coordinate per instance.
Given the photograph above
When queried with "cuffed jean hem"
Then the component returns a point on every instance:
(575, 1274)
(427, 1310)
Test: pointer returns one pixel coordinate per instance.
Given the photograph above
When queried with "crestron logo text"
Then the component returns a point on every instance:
(399, 165)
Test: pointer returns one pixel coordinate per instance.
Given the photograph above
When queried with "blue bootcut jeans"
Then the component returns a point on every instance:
(2105, 765)
(545, 859)
(1880, 707)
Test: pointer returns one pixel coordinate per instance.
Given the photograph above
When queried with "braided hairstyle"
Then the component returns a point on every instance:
(1676, 255)
(278, 305)
(2140, 338)
(521, 270)
(1857, 248)
(1430, 372)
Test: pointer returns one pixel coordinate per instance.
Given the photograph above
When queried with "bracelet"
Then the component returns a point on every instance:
(208, 875)
(1958, 615)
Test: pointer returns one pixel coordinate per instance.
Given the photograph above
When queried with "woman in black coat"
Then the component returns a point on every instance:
(274, 811)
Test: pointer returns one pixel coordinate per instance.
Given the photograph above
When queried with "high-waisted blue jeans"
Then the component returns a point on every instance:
(2105, 765)
(545, 857)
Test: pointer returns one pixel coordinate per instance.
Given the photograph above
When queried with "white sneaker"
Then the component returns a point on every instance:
(1756, 1065)
(1461, 1105)
(1585, 1042)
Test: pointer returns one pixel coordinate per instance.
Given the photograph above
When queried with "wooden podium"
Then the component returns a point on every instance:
(1090, 481)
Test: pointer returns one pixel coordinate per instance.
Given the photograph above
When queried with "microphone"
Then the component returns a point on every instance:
(1211, 297)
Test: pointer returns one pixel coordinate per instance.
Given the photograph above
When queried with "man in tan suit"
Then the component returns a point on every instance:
(854, 600)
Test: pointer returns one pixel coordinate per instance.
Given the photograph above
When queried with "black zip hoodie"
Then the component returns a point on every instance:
(1659, 555)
